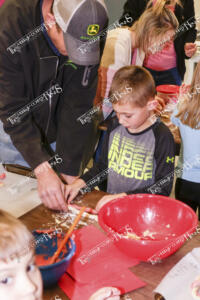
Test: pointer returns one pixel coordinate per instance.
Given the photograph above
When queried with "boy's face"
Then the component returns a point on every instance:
(20, 279)
(133, 117)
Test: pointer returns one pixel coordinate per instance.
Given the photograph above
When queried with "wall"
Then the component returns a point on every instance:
(115, 9)
(197, 11)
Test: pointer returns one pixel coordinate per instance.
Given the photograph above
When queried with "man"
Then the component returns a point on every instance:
(46, 53)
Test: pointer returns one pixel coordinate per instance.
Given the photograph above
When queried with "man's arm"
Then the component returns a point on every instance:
(93, 177)
(100, 166)
(24, 133)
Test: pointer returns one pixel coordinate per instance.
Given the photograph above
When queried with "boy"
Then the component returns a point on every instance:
(138, 149)
(19, 276)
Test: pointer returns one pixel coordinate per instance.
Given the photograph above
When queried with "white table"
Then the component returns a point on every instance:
(19, 194)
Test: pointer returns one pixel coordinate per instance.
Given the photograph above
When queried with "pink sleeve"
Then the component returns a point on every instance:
(1, 2)
(134, 57)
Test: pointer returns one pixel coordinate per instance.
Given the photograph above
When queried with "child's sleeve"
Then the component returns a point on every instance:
(174, 119)
(164, 157)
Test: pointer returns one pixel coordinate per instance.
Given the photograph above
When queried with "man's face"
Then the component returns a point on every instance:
(131, 116)
(54, 31)
(20, 279)
(56, 35)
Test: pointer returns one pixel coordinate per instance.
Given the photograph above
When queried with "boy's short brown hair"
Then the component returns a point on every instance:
(15, 239)
(132, 84)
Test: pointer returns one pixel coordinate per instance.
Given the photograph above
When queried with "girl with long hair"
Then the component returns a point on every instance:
(129, 46)
(181, 48)
(187, 118)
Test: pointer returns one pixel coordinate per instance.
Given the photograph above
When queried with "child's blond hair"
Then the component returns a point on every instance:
(163, 2)
(15, 239)
(153, 24)
(132, 84)
(189, 107)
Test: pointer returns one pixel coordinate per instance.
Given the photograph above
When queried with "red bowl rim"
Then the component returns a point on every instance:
(168, 89)
(195, 219)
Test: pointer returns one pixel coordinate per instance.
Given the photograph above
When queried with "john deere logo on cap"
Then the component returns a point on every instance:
(93, 29)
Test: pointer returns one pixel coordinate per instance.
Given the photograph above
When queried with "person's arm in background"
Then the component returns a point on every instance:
(189, 36)
(134, 8)
(190, 48)
(24, 134)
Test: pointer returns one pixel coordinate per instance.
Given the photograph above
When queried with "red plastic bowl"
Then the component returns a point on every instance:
(168, 92)
(170, 220)
(168, 89)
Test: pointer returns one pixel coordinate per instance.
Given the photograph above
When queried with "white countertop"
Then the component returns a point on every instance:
(19, 194)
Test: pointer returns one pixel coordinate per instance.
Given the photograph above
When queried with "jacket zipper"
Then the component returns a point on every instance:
(86, 75)
(50, 98)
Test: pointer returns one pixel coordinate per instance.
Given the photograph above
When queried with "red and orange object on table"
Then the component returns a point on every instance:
(2, 176)
(168, 92)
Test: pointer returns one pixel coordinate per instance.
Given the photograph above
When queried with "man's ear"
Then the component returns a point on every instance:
(50, 21)
(152, 104)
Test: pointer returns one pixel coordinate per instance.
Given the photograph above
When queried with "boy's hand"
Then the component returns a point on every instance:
(68, 178)
(107, 199)
(106, 293)
(50, 187)
(72, 190)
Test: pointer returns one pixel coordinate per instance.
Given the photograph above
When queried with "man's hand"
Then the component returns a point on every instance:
(106, 293)
(50, 187)
(72, 190)
(107, 199)
(190, 49)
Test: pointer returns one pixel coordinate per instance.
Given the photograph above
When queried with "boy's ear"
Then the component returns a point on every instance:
(152, 104)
